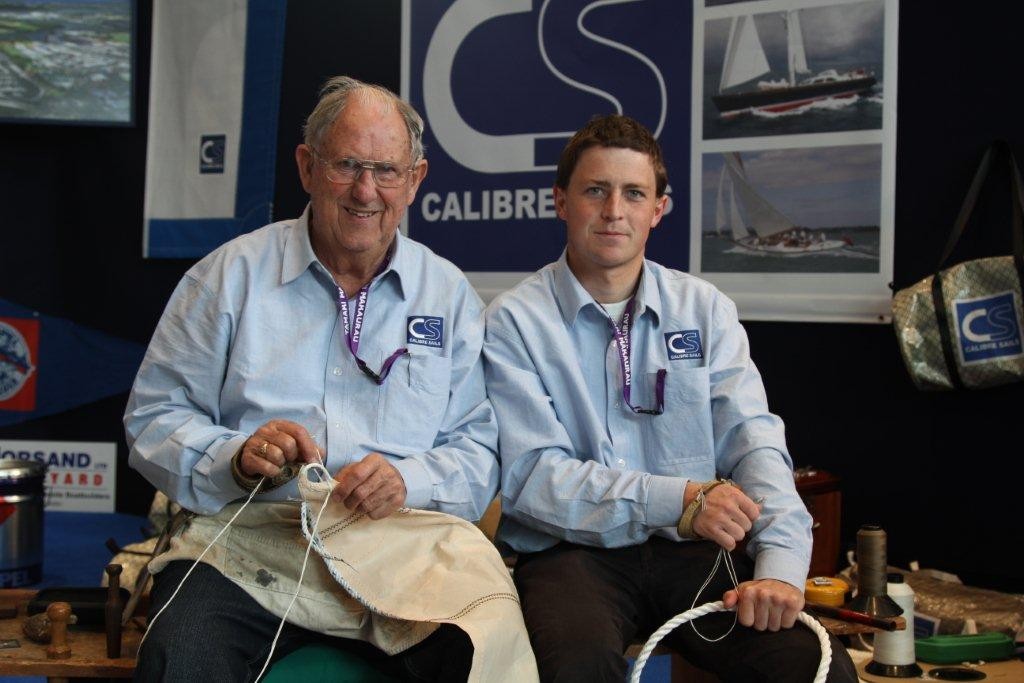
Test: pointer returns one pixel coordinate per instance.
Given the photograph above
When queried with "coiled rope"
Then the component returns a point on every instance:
(708, 608)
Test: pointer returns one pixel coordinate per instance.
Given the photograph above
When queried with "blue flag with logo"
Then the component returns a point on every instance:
(49, 365)
(213, 106)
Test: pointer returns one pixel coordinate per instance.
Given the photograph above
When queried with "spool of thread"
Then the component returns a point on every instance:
(872, 596)
(894, 654)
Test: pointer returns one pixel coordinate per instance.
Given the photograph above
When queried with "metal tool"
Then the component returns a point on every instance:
(170, 529)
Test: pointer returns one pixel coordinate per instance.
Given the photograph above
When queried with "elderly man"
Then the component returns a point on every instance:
(623, 389)
(331, 337)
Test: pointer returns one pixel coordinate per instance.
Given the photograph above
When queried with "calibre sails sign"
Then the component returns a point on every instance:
(503, 86)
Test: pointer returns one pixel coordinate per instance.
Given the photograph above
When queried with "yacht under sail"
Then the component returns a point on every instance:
(745, 60)
(766, 228)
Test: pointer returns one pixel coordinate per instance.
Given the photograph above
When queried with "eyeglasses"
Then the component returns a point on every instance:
(347, 170)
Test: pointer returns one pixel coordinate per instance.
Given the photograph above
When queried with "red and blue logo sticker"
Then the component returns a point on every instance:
(19, 351)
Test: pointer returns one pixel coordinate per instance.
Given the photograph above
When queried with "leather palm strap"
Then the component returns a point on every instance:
(288, 472)
(698, 503)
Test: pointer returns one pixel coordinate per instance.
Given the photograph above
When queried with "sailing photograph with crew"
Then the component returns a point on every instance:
(793, 70)
(803, 210)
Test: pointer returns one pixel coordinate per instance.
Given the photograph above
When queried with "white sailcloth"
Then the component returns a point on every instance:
(764, 218)
(744, 56)
(795, 44)
(728, 212)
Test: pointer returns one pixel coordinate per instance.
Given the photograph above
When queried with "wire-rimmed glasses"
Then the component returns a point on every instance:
(346, 170)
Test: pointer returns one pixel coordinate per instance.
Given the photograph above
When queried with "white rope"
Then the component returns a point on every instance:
(708, 608)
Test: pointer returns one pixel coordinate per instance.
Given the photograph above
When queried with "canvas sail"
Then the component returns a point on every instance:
(795, 42)
(727, 216)
(764, 218)
(744, 56)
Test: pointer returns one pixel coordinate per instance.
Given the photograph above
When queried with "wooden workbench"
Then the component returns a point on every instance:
(88, 648)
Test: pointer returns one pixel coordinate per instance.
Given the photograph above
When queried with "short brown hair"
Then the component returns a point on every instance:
(613, 130)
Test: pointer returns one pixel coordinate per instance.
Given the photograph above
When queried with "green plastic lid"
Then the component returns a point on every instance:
(964, 648)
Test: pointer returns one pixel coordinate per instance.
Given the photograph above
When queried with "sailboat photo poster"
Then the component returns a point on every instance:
(793, 156)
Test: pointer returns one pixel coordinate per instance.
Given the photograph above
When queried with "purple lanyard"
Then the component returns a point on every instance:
(353, 331)
(622, 342)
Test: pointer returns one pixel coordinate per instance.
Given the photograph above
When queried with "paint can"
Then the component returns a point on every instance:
(21, 522)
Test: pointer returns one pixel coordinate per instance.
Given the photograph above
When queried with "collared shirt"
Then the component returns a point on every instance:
(253, 333)
(579, 465)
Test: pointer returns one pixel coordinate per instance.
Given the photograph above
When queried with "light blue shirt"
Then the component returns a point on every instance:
(579, 465)
(252, 333)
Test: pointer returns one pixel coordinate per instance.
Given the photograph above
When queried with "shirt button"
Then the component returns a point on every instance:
(621, 461)
(618, 404)
(338, 425)
(336, 370)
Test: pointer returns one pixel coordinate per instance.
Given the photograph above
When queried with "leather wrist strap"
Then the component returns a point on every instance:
(289, 471)
(244, 481)
(685, 527)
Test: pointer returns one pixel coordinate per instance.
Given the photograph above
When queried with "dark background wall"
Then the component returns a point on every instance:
(940, 472)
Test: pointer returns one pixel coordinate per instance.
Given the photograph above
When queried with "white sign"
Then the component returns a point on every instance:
(81, 476)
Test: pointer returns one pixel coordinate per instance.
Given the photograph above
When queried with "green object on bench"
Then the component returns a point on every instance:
(323, 663)
(964, 648)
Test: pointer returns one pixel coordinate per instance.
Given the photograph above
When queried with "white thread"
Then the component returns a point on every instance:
(152, 621)
(689, 615)
(273, 645)
(298, 586)
(897, 647)
(722, 553)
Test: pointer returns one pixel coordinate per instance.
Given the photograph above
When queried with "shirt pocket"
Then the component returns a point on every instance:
(684, 431)
(415, 397)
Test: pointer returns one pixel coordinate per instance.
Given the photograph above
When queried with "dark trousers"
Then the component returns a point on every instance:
(214, 631)
(583, 607)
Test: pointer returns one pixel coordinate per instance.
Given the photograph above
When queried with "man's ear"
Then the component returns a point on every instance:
(304, 161)
(560, 199)
(416, 176)
(660, 204)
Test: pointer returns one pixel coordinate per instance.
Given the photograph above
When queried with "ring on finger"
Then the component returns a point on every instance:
(262, 450)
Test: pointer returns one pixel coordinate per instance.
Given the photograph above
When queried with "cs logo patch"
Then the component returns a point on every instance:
(683, 344)
(19, 349)
(211, 153)
(426, 330)
(988, 327)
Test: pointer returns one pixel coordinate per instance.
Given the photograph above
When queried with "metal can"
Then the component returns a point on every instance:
(21, 522)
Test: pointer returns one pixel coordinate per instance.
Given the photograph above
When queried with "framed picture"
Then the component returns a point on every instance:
(67, 61)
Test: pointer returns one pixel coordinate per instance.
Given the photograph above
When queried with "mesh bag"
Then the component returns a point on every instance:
(962, 327)
(917, 327)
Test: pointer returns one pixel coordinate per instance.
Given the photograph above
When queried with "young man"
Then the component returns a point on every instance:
(623, 390)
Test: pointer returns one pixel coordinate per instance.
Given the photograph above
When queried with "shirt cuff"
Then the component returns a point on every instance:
(665, 501)
(418, 488)
(219, 484)
(782, 565)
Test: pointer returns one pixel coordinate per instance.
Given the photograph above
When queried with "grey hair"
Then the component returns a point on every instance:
(334, 96)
